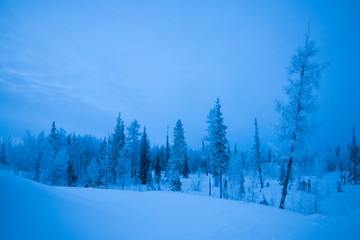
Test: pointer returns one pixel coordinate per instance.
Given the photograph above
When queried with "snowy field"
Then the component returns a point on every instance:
(30, 210)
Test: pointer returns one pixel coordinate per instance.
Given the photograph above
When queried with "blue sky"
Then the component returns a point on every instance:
(80, 63)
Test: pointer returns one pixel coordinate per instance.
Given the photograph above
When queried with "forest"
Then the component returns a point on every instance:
(292, 175)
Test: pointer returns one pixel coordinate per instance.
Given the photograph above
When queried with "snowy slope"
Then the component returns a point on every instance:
(29, 210)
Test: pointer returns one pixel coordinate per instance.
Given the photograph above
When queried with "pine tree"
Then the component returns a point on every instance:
(303, 76)
(178, 156)
(354, 155)
(144, 158)
(217, 142)
(157, 168)
(258, 152)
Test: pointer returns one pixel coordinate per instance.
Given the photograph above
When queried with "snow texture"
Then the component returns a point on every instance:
(31, 210)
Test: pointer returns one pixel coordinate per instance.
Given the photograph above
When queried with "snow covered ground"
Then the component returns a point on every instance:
(29, 210)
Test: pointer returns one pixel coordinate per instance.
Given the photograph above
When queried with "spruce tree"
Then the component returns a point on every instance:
(144, 158)
(178, 156)
(217, 143)
(258, 152)
(117, 145)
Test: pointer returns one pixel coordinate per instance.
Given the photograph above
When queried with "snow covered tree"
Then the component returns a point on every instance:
(96, 170)
(303, 77)
(217, 142)
(58, 169)
(149, 181)
(258, 152)
(144, 158)
(354, 156)
(133, 146)
(123, 168)
(178, 156)
(117, 145)
(29, 154)
(92, 173)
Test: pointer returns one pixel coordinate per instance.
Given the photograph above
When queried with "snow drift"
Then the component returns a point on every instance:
(29, 210)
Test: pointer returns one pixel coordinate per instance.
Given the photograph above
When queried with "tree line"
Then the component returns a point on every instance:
(126, 158)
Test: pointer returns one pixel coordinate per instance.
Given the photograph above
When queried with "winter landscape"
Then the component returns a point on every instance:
(179, 120)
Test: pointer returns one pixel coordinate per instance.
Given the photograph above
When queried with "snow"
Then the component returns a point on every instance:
(29, 210)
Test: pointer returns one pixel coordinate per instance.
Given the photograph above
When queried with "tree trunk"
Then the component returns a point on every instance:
(209, 186)
(261, 180)
(286, 182)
